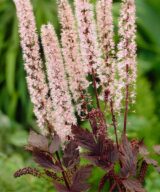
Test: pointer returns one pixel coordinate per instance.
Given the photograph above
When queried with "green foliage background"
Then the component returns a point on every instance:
(16, 117)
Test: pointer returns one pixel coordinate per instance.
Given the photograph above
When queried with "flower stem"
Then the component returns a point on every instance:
(95, 88)
(63, 172)
(112, 187)
(126, 100)
(114, 123)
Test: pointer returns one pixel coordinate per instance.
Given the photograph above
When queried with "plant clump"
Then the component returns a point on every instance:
(85, 60)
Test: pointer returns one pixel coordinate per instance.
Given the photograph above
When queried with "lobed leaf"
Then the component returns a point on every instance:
(38, 141)
(45, 160)
(61, 188)
(79, 179)
(71, 155)
(55, 144)
(128, 158)
(133, 185)
(84, 137)
(104, 154)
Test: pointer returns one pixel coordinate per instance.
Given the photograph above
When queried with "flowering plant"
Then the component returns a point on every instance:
(85, 60)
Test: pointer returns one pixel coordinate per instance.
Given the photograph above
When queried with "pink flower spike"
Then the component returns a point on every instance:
(37, 85)
(106, 35)
(63, 109)
(127, 66)
(70, 48)
(91, 55)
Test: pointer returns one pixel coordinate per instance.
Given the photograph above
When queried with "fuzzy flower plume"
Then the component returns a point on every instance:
(106, 34)
(89, 47)
(37, 86)
(126, 55)
(63, 109)
(70, 47)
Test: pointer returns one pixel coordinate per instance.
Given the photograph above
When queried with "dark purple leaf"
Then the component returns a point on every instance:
(55, 144)
(79, 179)
(133, 185)
(152, 162)
(53, 175)
(38, 141)
(104, 154)
(83, 137)
(61, 188)
(71, 155)
(135, 144)
(143, 171)
(128, 158)
(110, 151)
(45, 160)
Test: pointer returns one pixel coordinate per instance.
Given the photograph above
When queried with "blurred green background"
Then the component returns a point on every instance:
(16, 117)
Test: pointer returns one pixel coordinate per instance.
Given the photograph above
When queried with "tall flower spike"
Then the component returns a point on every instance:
(91, 54)
(70, 47)
(106, 34)
(126, 55)
(37, 86)
(64, 115)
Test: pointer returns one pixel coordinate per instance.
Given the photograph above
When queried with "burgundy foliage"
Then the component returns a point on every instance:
(68, 175)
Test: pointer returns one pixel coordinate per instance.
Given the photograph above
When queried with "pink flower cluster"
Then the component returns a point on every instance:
(61, 99)
(106, 35)
(71, 53)
(37, 86)
(87, 50)
(127, 69)
(91, 55)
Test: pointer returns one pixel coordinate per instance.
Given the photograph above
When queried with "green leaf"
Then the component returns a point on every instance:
(19, 138)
